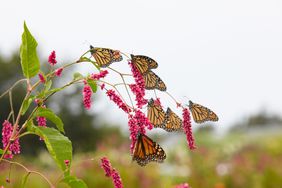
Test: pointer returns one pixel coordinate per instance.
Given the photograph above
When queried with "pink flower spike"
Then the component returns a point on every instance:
(41, 78)
(187, 127)
(184, 185)
(106, 165)
(116, 179)
(87, 93)
(52, 58)
(133, 129)
(6, 135)
(102, 74)
(139, 95)
(116, 99)
(41, 121)
(58, 72)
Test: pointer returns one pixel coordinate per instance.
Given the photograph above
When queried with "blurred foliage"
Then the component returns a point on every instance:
(81, 127)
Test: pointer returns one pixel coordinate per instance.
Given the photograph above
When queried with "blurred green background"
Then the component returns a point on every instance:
(248, 155)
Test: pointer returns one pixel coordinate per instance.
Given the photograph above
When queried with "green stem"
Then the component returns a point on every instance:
(15, 84)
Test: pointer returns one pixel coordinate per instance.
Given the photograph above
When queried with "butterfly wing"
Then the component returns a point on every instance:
(173, 123)
(156, 114)
(146, 150)
(153, 81)
(201, 114)
(105, 56)
(143, 63)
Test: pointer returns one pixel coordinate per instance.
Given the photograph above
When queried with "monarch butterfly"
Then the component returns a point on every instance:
(173, 122)
(143, 63)
(156, 114)
(146, 150)
(201, 114)
(153, 81)
(105, 56)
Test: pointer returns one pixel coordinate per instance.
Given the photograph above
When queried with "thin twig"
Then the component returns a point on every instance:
(15, 84)
(11, 105)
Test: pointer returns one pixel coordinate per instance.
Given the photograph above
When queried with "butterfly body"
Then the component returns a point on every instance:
(143, 63)
(146, 150)
(105, 56)
(201, 114)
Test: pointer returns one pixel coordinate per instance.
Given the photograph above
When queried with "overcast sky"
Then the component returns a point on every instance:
(223, 54)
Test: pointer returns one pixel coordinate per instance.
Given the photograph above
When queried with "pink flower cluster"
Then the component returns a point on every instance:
(102, 74)
(58, 72)
(139, 87)
(111, 172)
(87, 93)
(137, 123)
(116, 99)
(185, 185)
(52, 58)
(139, 95)
(41, 78)
(187, 127)
(41, 121)
(6, 135)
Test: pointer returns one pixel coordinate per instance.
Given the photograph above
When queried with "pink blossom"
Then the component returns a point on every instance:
(102, 86)
(116, 99)
(184, 185)
(142, 121)
(133, 129)
(116, 179)
(41, 121)
(87, 93)
(139, 95)
(102, 74)
(52, 58)
(58, 72)
(187, 127)
(67, 162)
(106, 165)
(6, 135)
(41, 78)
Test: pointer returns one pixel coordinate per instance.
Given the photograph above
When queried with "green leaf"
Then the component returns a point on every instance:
(26, 104)
(59, 146)
(92, 84)
(1, 151)
(29, 59)
(24, 180)
(74, 182)
(50, 115)
(48, 85)
(77, 76)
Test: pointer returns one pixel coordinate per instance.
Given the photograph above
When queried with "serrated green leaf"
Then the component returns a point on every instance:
(29, 59)
(50, 115)
(92, 84)
(77, 76)
(59, 146)
(24, 180)
(26, 104)
(74, 182)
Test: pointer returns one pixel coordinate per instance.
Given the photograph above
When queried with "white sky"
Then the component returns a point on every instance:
(223, 54)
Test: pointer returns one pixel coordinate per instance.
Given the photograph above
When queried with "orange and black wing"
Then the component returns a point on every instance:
(105, 56)
(156, 114)
(173, 122)
(201, 114)
(146, 150)
(153, 81)
(143, 63)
